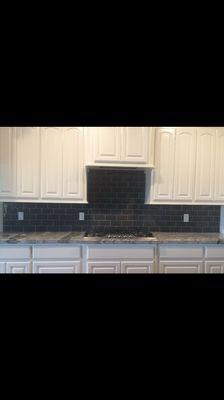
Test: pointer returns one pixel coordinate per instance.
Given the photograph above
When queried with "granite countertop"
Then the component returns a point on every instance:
(79, 237)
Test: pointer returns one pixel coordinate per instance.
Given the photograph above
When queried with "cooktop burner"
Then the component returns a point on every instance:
(119, 235)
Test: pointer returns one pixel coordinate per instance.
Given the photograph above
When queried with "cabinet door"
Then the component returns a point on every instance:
(164, 164)
(185, 141)
(103, 267)
(2, 268)
(219, 165)
(18, 267)
(107, 144)
(205, 164)
(51, 163)
(73, 163)
(214, 267)
(136, 267)
(181, 267)
(7, 163)
(56, 267)
(28, 165)
(135, 145)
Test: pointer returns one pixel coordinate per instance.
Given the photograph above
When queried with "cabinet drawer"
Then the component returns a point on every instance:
(181, 267)
(214, 251)
(56, 252)
(110, 251)
(19, 252)
(180, 251)
(57, 267)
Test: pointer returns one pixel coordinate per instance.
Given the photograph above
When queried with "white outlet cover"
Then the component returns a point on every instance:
(81, 216)
(20, 215)
(186, 217)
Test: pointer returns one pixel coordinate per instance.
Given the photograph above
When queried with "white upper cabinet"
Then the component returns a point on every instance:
(205, 164)
(73, 163)
(123, 146)
(51, 163)
(62, 164)
(219, 165)
(7, 163)
(185, 140)
(164, 164)
(28, 162)
(135, 145)
(107, 144)
(174, 164)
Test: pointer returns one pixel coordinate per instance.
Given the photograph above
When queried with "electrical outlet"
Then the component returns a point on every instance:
(186, 217)
(20, 216)
(81, 216)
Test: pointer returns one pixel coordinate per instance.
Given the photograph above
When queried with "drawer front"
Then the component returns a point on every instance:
(110, 251)
(18, 267)
(214, 267)
(56, 252)
(103, 267)
(15, 252)
(181, 267)
(57, 267)
(214, 251)
(136, 267)
(180, 252)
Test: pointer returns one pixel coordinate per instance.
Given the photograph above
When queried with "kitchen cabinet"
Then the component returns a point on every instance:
(214, 267)
(103, 267)
(205, 164)
(184, 164)
(181, 258)
(107, 144)
(28, 162)
(7, 163)
(62, 164)
(2, 268)
(51, 163)
(120, 146)
(120, 258)
(181, 267)
(42, 164)
(189, 167)
(135, 145)
(173, 177)
(164, 164)
(73, 164)
(56, 267)
(137, 267)
(18, 267)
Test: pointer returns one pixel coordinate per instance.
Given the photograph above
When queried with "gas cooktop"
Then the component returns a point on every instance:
(119, 235)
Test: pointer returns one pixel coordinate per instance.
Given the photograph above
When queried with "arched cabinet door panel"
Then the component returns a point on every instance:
(163, 175)
(184, 169)
(205, 164)
(7, 162)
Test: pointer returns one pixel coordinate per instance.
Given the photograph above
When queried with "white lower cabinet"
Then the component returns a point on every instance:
(214, 267)
(103, 267)
(177, 259)
(112, 258)
(56, 267)
(2, 268)
(120, 258)
(18, 267)
(137, 267)
(214, 261)
(180, 267)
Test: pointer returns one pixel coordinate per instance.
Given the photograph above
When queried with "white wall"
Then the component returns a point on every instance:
(1, 217)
